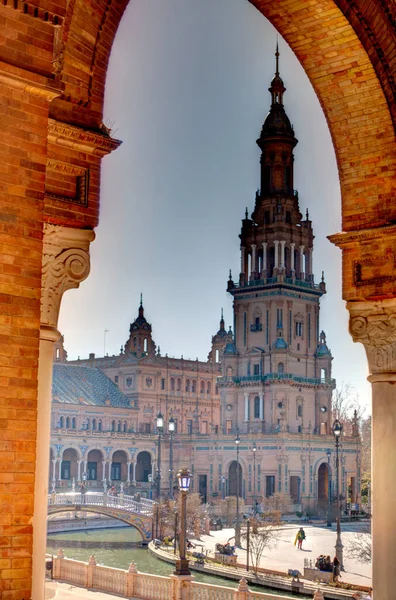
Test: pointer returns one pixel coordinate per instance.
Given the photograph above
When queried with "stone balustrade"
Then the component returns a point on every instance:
(132, 584)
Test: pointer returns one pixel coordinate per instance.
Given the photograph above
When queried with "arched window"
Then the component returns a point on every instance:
(172, 384)
(119, 426)
(99, 425)
(61, 422)
(67, 423)
(257, 407)
(113, 426)
(179, 384)
(323, 375)
(299, 411)
(202, 387)
(145, 345)
(209, 388)
(187, 385)
(193, 386)
(281, 368)
(93, 424)
(88, 424)
(73, 422)
(217, 356)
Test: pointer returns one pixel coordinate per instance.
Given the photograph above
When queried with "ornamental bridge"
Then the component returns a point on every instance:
(138, 514)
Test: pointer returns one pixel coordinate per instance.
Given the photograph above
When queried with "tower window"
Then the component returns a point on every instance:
(145, 345)
(162, 384)
(193, 386)
(187, 385)
(256, 369)
(172, 384)
(217, 356)
(257, 407)
(179, 384)
(298, 329)
(267, 216)
(281, 368)
(288, 216)
(299, 410)
(202, 387)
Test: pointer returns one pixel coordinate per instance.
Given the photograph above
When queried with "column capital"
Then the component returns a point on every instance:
(373, 323)
(65, 265)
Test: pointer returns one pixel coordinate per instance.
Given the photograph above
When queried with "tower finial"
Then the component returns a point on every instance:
(246, 213)
(222, 317)
(277, 58)
(141, 300)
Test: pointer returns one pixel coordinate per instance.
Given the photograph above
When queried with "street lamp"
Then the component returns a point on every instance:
(171, 429)
(184, 480)
(337, 432)
(328, 452)
(254, 448)
(237, 524)
(160, 430)
(247, 542)
(223, 486)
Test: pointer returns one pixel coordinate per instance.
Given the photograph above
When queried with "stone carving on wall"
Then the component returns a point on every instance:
(65, 265)
(374, 325)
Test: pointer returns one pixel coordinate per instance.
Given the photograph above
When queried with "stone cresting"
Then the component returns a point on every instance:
(131, 583)
(123, 508)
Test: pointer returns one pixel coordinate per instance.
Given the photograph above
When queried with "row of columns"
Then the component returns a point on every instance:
(57, 462)
(279, 256)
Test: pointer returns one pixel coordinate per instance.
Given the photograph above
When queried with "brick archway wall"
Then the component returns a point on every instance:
(53, 62)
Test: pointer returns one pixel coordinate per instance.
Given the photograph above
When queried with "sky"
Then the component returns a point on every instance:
(187, 93)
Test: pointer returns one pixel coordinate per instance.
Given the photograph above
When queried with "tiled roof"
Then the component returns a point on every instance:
(84, 385)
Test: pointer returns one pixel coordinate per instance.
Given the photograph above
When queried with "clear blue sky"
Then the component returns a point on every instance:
(187, 92)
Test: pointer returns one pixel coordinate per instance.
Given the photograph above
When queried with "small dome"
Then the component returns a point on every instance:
(322, 350)
(277, 123)
(230, 348)
(280, 343)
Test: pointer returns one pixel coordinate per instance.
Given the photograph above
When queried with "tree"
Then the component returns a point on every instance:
(358, 546)
(266, 536)
(280, 502)
(346, 408)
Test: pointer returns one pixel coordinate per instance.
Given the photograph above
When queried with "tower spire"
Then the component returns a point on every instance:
(141, 300)
(277, 59)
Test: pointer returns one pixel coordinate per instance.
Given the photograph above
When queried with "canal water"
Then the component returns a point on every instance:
(116, 547)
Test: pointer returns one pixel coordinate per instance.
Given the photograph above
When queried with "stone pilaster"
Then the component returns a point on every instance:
(65, 265)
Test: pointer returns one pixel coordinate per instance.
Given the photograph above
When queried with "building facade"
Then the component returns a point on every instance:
(267, 383)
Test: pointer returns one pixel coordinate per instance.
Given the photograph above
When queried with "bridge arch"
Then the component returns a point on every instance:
(142, 523)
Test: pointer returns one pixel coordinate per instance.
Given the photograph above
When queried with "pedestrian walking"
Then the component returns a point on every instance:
(300, 537)
(336, 569)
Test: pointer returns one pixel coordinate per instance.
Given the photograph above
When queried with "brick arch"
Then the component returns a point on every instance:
(332, 50)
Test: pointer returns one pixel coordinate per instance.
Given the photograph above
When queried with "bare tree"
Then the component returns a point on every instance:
(279, 501)
(266, 537)
(347, 408)
(358, 546)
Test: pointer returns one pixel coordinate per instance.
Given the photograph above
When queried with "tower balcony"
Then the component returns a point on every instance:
(294, 282)
(277, 377)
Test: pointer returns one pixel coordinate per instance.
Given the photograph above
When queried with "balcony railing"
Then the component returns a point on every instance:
(277, 377)
(256, 327)
(278, 281)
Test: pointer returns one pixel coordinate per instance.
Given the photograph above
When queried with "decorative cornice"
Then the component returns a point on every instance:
(374, 325)
(348, 239)
(29, 87)
(32, 10)
(65, 265)
(63, 134)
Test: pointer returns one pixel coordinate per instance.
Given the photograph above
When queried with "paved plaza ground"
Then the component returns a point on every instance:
(284, 556)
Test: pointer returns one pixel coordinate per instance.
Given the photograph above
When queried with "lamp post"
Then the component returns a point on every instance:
(171, 429)
(223, 486)
(337, 431)
(247, 543)
(184, 480)
(328, 452)
(160, 430)
(254, 448)
(237, 524)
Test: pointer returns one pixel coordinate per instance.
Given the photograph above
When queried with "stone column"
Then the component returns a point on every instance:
(374, 325)
(261, 407)
(103, 470)
(265, 257)
(60, 461)
(253, 264)
(243, 260)
(302, 270)
(310, 261)
(282, 260)
(292, 266)
(134, 473)
(65, 264)
(79, 470)
(276, 254)
(246, 407)
(129, 473)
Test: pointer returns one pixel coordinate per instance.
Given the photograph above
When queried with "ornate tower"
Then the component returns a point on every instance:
(219, 341)
(140, 342)
(278, 379)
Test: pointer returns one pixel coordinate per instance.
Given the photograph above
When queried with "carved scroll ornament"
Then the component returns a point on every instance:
(374, 325)
(65, 264)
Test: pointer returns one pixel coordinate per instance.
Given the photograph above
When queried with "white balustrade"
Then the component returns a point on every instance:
(128, 503)
(109, 580)
(153, 587)
(204, 591)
